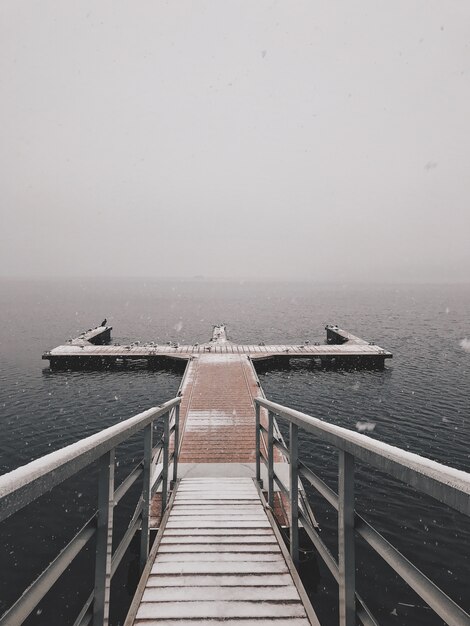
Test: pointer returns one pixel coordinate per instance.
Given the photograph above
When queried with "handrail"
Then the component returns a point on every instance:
(446, 484)
(443, 483)
(27, 483)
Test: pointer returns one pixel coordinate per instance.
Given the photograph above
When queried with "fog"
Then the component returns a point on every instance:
(236, 139)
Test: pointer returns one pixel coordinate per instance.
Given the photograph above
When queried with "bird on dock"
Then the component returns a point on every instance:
(104, 322)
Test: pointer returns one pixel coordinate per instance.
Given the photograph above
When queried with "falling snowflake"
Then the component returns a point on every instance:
(465, 345)
(363, 427)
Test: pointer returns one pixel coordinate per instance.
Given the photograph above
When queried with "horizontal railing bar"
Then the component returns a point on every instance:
(85, 616)
(325, 554)
(319, 485)
(446, 484)
(127, 483)
(284, 449)
(23, 485)
(133, 527)
(364, 614)
(446, 608)
(415, 578)
(156, 482)
(31, 597)
(281, 485)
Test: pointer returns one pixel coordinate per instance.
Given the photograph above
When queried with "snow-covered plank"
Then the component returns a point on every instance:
(216, 496)
(219, 609)
(190, 594)
(245, 532)
(218, 516)
(218, 548)
(219, 557)
(204, 523)
(220, 580)
(197, 567)
(287, 621)
(216, 501)
(214, 540)
(245, 507)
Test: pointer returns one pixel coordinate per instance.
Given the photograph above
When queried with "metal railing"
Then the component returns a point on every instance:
(447, 485)
(27, 483)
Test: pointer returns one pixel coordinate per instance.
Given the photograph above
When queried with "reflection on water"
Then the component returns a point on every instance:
(419, 402)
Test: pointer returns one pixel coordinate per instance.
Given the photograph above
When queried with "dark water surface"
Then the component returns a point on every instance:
(421, 402)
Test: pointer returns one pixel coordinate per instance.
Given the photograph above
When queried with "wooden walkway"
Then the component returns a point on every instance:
(217, 410)
(217, 560)
(217, 420)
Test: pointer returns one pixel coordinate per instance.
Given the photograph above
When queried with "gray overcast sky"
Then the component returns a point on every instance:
(313, 140)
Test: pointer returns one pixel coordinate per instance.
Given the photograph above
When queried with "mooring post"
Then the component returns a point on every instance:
(294, 492)
(258, 445)
(146, 495)
(104, 539)
(270, 460)
(346, 558)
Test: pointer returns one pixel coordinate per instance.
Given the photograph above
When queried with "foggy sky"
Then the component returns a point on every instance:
(311, 140)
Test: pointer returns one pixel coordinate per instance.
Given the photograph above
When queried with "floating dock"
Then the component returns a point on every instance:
(341, 349)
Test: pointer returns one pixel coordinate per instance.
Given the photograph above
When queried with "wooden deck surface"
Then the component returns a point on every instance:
(217, 410)
(218, 561)
(185, 351)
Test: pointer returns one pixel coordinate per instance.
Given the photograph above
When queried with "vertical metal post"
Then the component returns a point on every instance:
(294, 492)
(270, 460)
(257, 445)
(146, 497)
(166, 456)
(346, 560)
(104, 539)
(176, 438)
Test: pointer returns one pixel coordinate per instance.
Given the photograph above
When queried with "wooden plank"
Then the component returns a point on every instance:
(222, 609)
(217, 548)
(237, 567)
(189, 594)
(205, 540)
(219, 557)
(202, 523)
(247, 509)
(217, 580)
(216, 517)
(243, 532)
(287, 621)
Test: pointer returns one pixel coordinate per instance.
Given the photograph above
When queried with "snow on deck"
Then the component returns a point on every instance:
(219, 560)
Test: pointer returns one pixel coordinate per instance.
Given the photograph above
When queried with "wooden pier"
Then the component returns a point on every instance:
(219, 521)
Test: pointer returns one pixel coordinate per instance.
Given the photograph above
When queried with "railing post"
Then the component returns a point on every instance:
(270, 460)
(176, 437)
(166, 456)
(104, 539)
(146, 495)
(258, 444)
(346, 559)
(294, 492)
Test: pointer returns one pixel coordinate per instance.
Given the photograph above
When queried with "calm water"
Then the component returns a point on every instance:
(420, 402)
